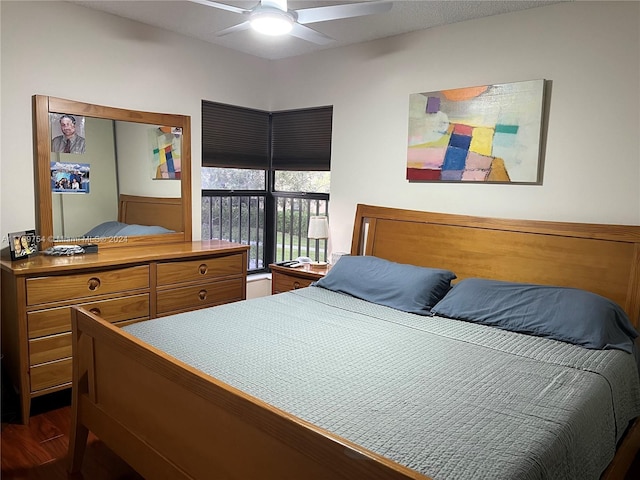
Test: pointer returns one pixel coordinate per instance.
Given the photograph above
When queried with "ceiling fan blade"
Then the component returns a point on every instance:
(335, 12)
(221, 6)
(310, 35)
(235, 28)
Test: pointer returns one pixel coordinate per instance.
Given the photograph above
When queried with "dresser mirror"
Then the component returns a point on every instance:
(122, 178)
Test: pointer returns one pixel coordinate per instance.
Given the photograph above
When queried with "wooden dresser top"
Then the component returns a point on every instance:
(108, 257)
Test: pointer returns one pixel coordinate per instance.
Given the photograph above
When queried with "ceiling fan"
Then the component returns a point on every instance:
(272, 17)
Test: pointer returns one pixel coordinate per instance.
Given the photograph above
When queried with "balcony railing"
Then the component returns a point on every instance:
(242, 217)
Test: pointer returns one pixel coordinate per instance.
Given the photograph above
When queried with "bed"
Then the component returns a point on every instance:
(138, 215)
(152, 402)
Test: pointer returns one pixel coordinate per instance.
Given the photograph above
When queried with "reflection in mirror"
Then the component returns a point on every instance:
(129, 181)
(74, 214)
(120, 158)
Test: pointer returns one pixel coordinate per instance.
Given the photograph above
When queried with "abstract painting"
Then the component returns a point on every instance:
(166, 147)
(488, 133)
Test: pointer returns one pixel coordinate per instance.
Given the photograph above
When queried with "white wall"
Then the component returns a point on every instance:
(590, 51)
(258, 286)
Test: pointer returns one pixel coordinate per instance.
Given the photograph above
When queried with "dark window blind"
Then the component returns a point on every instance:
(301, 139)
(234, 137)
(238, 137)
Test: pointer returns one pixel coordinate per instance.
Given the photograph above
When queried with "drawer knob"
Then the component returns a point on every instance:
(95, 311)
(93, 283)
(296, 285)
(203, 269)
(202, 294)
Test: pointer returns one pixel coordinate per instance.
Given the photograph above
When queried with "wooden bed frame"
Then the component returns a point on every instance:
(168, 420)
(165, 212)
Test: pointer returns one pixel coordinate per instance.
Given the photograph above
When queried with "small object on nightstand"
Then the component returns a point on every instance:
(287, 263)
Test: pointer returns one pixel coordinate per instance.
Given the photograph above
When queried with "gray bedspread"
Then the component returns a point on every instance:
(450, 399)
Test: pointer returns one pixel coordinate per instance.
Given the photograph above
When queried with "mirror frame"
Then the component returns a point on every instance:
(42, 106)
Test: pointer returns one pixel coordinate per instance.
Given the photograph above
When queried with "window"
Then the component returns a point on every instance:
(263, 175)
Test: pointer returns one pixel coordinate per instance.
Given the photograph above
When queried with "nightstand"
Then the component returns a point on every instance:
(284, 279)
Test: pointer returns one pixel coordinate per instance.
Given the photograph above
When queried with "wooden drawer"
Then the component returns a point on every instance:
(285, 283)
(50, 374)
(199, 296)
(204, 269)
(47, 349)
(69, 287)
(58, 320)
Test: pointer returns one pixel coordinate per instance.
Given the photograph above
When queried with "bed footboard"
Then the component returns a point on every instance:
(170, 421)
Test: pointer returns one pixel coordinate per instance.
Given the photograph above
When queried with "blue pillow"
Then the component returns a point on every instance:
(566, 314)
(132, 230)
(106, 229)
(404, 287)
(119, 229)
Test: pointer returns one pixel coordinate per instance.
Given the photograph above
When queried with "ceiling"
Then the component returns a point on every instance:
(202, 22)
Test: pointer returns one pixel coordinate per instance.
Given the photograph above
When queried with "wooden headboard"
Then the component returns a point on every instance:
(165, 212)
(604, 259)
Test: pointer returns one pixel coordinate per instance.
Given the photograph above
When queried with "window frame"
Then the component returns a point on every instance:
(318, 154)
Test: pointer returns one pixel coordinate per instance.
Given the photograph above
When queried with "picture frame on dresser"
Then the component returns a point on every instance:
(22, 244)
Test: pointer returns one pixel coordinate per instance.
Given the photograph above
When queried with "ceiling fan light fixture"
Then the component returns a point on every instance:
(272, 17)
(273, 22)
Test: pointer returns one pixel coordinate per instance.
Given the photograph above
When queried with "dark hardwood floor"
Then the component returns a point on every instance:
(38, 451)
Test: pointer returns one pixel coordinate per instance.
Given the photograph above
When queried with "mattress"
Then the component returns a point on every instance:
(450, 399)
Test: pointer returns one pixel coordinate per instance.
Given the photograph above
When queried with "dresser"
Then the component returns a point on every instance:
(121, 285)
